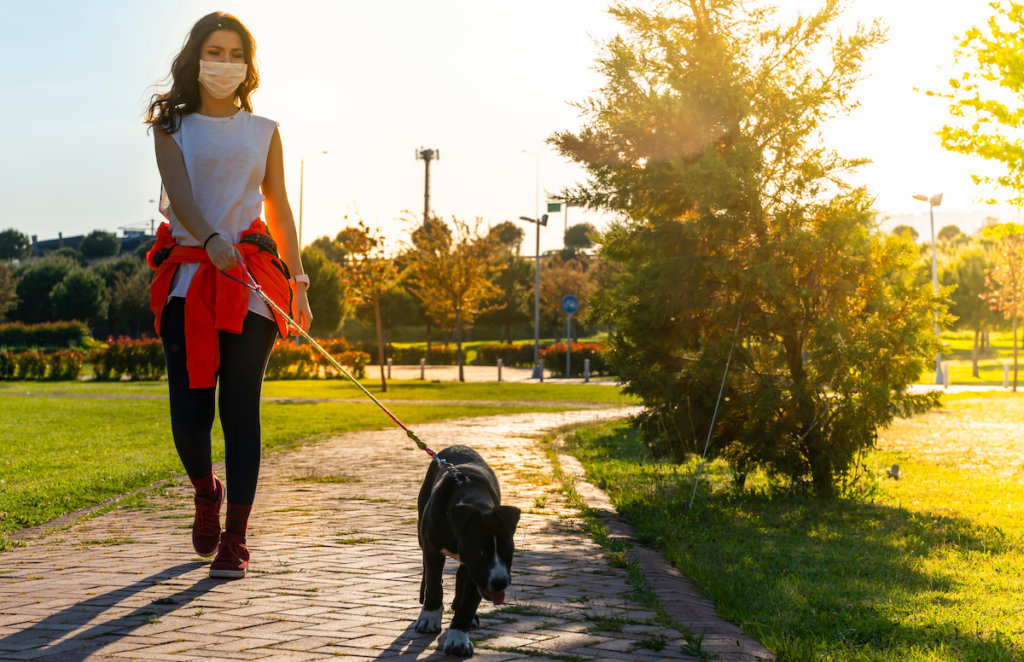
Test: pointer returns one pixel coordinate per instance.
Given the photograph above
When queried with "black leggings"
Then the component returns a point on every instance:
(243, 360)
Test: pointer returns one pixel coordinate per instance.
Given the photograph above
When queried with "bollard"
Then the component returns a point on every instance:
(542, 370)
(389, 368)
(945, 375)
(499, 370)
(1006, 375)
(423, 363)
(586, 371)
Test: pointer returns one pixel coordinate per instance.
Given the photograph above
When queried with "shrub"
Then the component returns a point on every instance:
(304, 362)
(518, 355)
(554, 359)
(29, 365)
(125, 357)
(47, 336)
(64, 365)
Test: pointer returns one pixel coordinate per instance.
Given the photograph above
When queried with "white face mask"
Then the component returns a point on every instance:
(221, 79)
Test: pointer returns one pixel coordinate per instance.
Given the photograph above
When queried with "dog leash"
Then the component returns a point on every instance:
(255, 287)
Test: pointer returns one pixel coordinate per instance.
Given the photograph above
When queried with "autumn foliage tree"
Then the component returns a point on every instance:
(1004, 281)
(737, 231)
(368, 273)
(452, 270)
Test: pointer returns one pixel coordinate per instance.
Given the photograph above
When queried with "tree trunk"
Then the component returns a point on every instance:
(974, 354)
(1015, 350)
(458, 343)
(822, 479)
(380, 344)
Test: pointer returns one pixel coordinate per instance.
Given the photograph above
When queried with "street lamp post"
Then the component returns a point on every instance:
(543, 220)
(302, 176)
(933, 202)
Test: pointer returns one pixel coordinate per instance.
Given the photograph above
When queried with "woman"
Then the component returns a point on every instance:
(219, 164)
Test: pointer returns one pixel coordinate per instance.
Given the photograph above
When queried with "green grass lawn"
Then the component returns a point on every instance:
(59, 454)
(957, 348)
(927, 567)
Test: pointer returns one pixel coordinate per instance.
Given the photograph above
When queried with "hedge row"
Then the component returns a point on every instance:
(303, 362)
(48, 336)
(125, 357)
(511, 355)
(438, 354)
(554, 359)
(63, 365)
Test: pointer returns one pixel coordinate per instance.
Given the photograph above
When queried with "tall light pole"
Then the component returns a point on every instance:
(302, 176)
(537, 374)
(933, 202)
(426, 155)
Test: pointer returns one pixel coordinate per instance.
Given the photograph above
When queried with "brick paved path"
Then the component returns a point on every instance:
(335, 569)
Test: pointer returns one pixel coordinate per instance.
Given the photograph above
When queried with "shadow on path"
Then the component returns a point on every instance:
(51, 632)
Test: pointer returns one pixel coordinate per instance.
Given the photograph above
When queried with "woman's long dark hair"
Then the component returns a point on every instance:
(166, 109)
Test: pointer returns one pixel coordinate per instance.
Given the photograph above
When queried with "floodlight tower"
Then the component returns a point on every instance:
(427, 155)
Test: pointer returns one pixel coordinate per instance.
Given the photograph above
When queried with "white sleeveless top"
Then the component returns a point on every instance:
(226, 160)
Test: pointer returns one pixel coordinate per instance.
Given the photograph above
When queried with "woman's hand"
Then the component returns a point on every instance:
(300, 305)
(223, 255)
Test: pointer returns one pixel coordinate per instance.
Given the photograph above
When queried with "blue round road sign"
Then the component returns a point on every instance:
(570, 304)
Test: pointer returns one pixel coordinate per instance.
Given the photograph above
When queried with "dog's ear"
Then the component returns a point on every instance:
(509, 516)
(463, 516)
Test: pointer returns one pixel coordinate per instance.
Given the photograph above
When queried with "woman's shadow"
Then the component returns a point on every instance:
(50, 632)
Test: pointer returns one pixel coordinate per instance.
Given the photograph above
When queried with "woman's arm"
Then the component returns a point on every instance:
(281, 224)
(179, 189)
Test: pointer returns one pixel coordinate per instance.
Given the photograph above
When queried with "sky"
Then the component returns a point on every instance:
(370, 82)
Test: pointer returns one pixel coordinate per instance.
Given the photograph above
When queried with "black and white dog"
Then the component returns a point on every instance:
(467, 523)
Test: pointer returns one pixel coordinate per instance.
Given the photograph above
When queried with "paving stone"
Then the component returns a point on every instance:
(311, 596)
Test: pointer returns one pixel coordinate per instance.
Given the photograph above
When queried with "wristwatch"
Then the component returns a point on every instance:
(299, 278)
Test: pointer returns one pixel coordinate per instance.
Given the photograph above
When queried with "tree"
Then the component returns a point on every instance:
(99, 243)
(113, 271)
(580, 236)
(8, 294)
(327, 297)
(128, 311)
(453, 271)
(738, 233)
(986, 98)
(369, 274)
(512, 304)
(561, 276)
(80, 295)
(69, 253)
(949, 233)
(905, 230)
(508, 235)
(1005, 278)
(966, 275)
(35, 283)
(14, 245)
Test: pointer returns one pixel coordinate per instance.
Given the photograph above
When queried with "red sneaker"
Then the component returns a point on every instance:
(232, 557)
(206, 525)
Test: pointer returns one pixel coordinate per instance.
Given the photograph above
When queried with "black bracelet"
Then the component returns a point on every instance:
(215, 234)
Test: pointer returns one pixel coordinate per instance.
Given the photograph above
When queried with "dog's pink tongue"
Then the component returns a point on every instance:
(497, 597)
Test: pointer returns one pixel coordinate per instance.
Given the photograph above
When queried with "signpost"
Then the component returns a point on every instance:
(570, 304)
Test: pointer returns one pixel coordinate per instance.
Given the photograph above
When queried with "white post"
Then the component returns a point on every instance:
(499, 370)
(945, 375)
(423, 363)
(389, 368)
(586, 371)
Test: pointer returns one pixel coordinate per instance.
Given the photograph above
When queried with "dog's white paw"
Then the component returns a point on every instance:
(457, 643)
(428, 621)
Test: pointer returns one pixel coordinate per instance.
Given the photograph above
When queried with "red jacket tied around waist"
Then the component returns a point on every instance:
(214, 302)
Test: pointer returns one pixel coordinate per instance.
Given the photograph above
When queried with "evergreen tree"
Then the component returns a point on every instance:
(737, 233)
